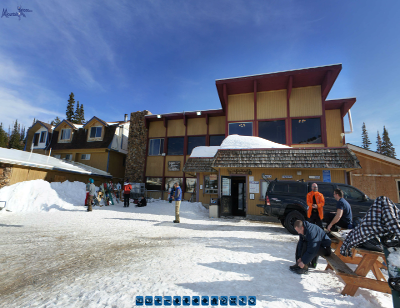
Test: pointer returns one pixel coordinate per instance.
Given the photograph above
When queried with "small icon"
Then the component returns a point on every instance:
(214, 301)
(186, 301)
(232, 300)
(157, 300)
(167, 300)
(223, 301)
(177, 300)
(252, 301)
(242, 300)
(148, 300)
(196, 300)
(204, 301)
(139, 300)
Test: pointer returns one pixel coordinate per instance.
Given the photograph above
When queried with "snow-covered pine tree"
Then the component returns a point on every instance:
(70, 108)
(387, 146)
(365, 139)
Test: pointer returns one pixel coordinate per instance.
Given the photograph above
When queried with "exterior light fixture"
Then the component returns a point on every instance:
(159, 116)
(198, 112)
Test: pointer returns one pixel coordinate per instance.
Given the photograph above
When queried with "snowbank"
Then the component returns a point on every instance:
(248, 142)
(42, 196)
(204, 151)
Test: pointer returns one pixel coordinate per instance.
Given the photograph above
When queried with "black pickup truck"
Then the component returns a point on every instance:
(286, 200)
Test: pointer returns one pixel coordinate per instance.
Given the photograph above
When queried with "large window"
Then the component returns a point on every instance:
(216, 140)
(65, 134)
(42, 137)
(169, 183)
(306, 131)
(156, 146)
(95, 132)
(195, 142)
(242, 128)
(175, 146)
(273, 131)
(153, 183)
(190, 185)
(211, 184)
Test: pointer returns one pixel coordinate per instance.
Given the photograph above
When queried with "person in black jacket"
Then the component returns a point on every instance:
(142, 202)
(313, 242)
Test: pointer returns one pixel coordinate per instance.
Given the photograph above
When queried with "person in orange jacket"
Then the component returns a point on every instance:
(315, 202)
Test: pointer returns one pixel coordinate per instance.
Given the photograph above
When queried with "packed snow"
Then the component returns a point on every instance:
(205, 151)
(248, 142)
(105, 258)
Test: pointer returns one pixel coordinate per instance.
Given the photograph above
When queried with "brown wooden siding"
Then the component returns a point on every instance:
(306, 102)
(176, 128)
(156, 129)
(154, 166)
(334, 128)
(178, 174)
(216, 125)
(312, 145)
(271, 104)
(241, 107)
(196, 126)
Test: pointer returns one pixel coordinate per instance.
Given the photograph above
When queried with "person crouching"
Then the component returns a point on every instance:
(313, 242)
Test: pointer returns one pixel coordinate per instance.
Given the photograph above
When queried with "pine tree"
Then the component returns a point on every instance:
(3, 137)
(365, 140)
(70, 108)
(15, 137)
(378, 144)
(55, 122)
(82, 115)
(387, 146)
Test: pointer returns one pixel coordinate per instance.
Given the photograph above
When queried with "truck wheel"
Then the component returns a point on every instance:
(290, 218)
(282, 222)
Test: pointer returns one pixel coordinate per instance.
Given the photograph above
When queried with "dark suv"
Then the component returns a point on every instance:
(286, 200)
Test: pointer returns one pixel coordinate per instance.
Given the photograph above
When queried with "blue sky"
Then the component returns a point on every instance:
(164, 55)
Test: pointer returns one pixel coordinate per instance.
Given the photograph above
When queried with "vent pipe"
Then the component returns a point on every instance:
(350, 123)
(126, 118)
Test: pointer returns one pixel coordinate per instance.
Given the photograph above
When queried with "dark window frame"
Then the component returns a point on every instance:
(183, 146)
(153, 177)
(274, 120)
(244, 122)
(36, 138)
(95, 134)
(214, 189)
(43, 136)
(215, 135)
(161, 148)
(307, 118)
(194, 136)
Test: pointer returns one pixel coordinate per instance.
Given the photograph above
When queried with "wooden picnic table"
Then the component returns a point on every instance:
(366, 260)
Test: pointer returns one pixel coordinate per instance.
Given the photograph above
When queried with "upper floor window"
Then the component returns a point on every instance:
(216, 140)
(36, 139)
(156, 146)
(65, 134)
(175, 146)
(306, 131)
(241, 128)
(68, 157)
(85, 157)
(274, 131)
(42, 137)
(95, 132)
(195, 142)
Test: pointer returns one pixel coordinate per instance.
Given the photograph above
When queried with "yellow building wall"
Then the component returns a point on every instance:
(177, 174)
(154, 166)
(216, 125)
(272, 104)
(333, 128)
(97, 159)
(156, 129)
(306, 101)
(241, 107)
(176, 128)
(205, 198)
(196, 126)
(115, 165)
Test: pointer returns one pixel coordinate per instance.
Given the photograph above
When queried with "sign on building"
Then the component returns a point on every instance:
(326, 176)
(174, 166)
(254, 187)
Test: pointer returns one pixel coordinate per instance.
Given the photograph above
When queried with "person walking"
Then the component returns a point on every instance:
(127, 192)
(313, 242)
(177, 197)
(92, 192)
(343, 217)
(315, 202)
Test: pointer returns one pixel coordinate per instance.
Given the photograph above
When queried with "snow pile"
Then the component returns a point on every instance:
(248, 142)
(204, 151)
(394, 262)
(42, 196)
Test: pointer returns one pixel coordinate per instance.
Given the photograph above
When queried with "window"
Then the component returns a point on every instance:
(243, 128)
(190, 185)
(153, 183)
(264, 187)
(95, 132)
(211, 184)
(156, 146)
(351, 193)
(195, 142)
(326, 190)
(175, 146)
(42, 137)
(65, 134)
(68, 157)
(36, 139)
(85, 156)
(273, 131)
(57, 156)
(216, 140)
(169, 183)
(306, 131)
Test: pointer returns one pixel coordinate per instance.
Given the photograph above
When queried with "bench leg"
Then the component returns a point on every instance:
(328, 267)
(377, 272)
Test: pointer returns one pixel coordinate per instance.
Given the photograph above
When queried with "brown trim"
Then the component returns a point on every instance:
(324, 136)
(208, 132)
(344, 136)
(255, 128)
(226, 109)
(288, 122)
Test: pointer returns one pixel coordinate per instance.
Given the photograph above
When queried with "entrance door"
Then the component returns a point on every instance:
(239, 196)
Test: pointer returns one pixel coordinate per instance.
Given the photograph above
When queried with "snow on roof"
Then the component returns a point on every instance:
(78, 125)
(17, 157)
(237, 142)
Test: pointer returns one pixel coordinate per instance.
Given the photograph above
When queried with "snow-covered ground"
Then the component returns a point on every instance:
(106, 258)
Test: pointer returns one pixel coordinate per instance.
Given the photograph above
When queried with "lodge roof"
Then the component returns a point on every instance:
(199, 164)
